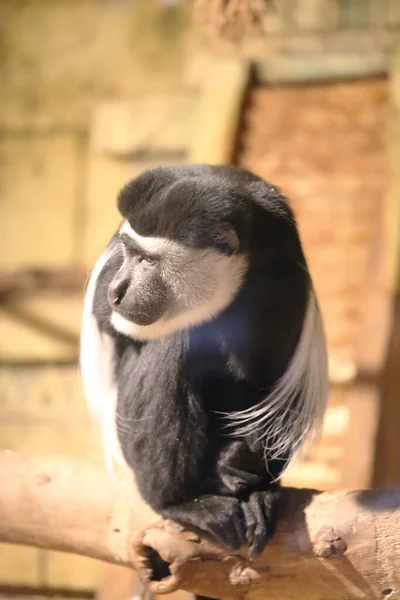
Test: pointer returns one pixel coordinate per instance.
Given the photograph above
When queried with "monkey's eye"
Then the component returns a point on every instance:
(223, 247)
(226, 239)
(148, 261)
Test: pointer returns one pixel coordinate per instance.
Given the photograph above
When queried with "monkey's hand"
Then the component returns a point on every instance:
(247, 514)
(242, 472)
(221, 516)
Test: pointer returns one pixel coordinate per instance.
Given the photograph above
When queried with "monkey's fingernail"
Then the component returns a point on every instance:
(254, 552)
(250, 534)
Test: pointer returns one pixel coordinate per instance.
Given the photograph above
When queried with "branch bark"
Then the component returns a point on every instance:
(343, 544)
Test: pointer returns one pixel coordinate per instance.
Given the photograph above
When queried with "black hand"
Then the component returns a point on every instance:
(221, 516)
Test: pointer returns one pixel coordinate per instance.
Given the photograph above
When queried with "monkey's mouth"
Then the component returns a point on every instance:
(144, 319)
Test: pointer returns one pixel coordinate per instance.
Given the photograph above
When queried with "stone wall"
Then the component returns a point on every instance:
(59, 60)
(62, 64)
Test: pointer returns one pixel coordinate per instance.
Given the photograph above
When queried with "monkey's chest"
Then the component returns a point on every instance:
(171, 431)
(174, 450)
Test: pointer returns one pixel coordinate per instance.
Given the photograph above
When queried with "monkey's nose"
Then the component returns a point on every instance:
(117, 292)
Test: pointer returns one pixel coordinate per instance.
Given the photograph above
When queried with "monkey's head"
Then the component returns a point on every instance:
(189, 236)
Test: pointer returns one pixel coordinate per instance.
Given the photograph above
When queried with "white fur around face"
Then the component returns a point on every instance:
(202, 283)
(97, 361)
(150, 244)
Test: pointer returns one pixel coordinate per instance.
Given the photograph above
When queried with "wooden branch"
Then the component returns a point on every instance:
(24, 282)
(343, 544)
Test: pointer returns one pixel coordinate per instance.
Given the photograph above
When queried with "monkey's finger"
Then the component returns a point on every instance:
(232, 532)
(260, 539)
(260, 532)
(241, 528)
(250, 520)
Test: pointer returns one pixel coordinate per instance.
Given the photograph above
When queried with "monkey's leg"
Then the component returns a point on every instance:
(240, 469)
(221, 516)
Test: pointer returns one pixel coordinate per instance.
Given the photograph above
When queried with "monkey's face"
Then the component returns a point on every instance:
(164, 285)
(188, 239)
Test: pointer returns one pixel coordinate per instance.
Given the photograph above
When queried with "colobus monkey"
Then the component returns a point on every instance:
(203, 352)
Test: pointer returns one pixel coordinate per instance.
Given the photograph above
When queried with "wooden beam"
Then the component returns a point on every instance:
(216, 119)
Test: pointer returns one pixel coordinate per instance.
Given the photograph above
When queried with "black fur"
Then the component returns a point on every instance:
(172, 391)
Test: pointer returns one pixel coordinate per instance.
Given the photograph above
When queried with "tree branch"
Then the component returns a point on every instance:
(335, 544)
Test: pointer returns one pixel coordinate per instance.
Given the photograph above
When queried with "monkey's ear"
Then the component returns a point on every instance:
(226, 239)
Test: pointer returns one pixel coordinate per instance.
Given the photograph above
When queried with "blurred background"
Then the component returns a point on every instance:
(306, 93)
